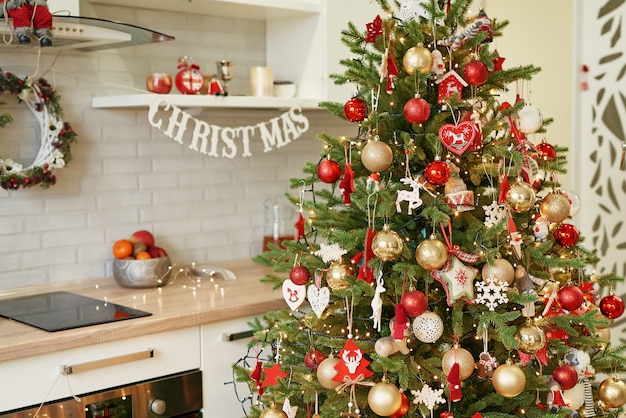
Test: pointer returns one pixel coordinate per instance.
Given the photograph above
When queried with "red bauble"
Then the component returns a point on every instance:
(300, 275)
(355, 109)
(437, 172)
(612, 306)
(313, 358)
(404, 407)
(566, 376)
(546, 151)
(416, 110)
(570, 297)
(328, 171)
(475, 73)
(566, 235)
(414, 303)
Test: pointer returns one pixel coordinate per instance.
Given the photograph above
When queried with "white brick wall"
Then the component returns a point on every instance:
(127, 176)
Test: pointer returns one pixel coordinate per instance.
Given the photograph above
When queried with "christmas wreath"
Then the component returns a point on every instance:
(56, 135)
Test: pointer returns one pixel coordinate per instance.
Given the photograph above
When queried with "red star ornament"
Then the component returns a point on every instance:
(457, 279)
(272, 374)
(352, 364)
(374, 29)
(497, 63)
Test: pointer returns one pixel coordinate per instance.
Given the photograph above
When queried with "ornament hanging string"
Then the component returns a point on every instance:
(349, 314)
(455, 249)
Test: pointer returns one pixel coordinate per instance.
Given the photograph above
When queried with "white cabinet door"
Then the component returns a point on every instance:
(218, 356)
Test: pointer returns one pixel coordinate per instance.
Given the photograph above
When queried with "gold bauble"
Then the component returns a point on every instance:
(376, 156)
(508, 380)
(520, 197)
(555, 207)
(337, 275)
(603, 334)
(612, 392)
(326, 371)
(273, 413)
(530, 338)
(417, 58)
(431, 254)
(384, 399)
(461, 356)
(501, 270)
(387, 244)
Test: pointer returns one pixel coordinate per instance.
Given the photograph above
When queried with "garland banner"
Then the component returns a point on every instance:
(226, 142)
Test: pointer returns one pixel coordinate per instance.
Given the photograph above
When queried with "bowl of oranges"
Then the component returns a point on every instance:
(139, 263)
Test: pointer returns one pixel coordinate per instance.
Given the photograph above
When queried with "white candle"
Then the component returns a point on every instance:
(261, 81)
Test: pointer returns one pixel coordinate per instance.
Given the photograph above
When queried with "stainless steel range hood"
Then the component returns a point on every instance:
(93, 34)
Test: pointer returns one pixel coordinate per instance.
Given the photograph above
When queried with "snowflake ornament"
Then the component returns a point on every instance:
(330, 252)
(428, 396)
(494, 213)
(492, 292)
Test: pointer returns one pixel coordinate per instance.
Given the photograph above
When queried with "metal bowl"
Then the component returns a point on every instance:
(154, 272)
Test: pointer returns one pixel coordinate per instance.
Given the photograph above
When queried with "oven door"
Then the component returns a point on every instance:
(178, 395)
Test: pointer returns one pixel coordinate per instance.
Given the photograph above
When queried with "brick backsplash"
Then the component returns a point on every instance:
(126, 175)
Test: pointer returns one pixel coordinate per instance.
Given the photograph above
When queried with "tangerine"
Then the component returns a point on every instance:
(122, 248)
(143, 255)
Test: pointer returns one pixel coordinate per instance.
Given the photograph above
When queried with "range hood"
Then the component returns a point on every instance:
(93, 34)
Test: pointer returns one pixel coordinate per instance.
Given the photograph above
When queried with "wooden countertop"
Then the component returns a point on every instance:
(181, 303)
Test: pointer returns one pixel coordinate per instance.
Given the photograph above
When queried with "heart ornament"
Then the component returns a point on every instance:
(318, 299)
(457, 138)
(293, 294)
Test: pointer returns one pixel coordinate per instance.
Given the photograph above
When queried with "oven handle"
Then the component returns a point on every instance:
(111, 361)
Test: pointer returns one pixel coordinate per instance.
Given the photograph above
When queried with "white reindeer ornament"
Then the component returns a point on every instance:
(411, 196)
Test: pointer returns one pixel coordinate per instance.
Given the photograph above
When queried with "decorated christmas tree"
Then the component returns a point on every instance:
(435, 269)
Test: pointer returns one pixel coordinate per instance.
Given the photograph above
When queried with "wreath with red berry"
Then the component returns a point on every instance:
(56, 135)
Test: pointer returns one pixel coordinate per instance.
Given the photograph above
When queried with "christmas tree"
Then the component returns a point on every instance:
(434, 247)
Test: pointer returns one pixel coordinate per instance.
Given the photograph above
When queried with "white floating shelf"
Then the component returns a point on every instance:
(202, 101)
(244, 9)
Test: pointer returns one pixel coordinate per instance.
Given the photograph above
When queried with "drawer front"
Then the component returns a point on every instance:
(27, 381)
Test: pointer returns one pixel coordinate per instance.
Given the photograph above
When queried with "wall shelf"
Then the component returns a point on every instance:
(202, 101)
(243, 9)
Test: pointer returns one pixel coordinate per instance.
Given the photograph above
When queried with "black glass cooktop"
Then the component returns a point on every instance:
(58, 311)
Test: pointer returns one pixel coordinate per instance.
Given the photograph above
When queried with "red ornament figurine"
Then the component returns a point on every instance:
(416, 110)
(475, 73)
(566, 235)
(404, 407)
(612, 306)
(355, 109)
(437, 172)
(414, 303)
(299, 275)
(189, 80)
(566, 376)
(328, 171)
(570, 297)
(546, 151)
(313, 358)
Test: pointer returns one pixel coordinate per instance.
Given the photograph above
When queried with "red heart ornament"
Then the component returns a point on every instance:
(457, 138)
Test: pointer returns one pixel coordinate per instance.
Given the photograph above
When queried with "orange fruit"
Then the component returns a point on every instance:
(122, 248)
(143, 255)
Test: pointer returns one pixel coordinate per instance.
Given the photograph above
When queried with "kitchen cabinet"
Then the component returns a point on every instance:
(303, 45)
(218, 356)
(31, 380)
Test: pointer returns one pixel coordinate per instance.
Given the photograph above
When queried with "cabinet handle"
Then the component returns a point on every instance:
(112, 361)
(233, 336)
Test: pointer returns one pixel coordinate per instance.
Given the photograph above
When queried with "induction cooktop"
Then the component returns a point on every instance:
(58, 311)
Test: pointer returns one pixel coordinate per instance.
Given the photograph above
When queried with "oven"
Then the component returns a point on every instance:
(178, 395)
